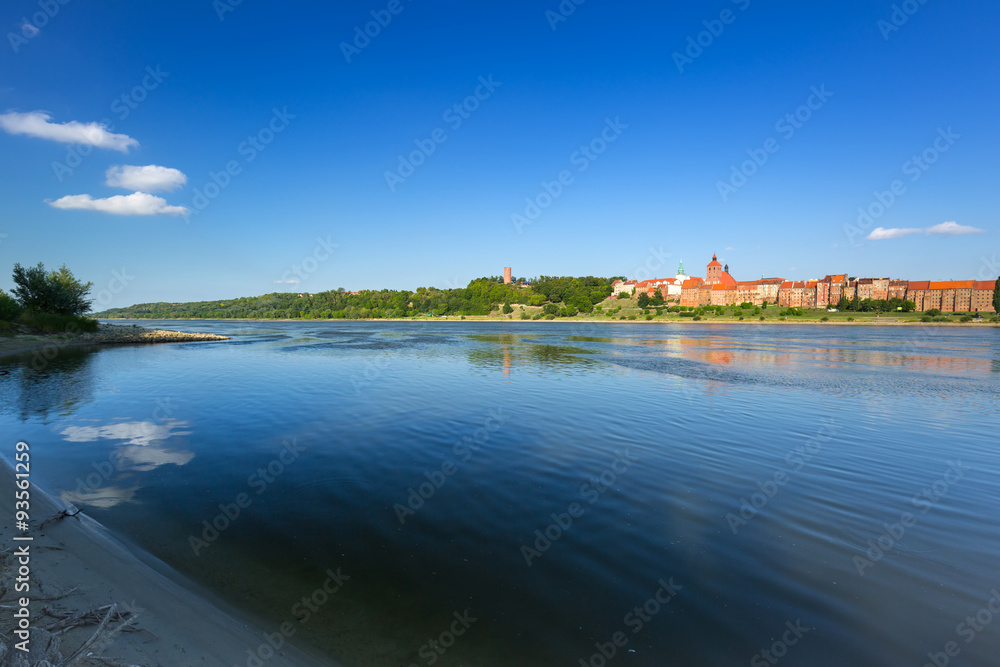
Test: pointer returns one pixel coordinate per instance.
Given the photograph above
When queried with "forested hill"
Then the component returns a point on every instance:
(480, 297)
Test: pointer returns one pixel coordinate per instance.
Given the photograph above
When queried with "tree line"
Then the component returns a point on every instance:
(480, 297)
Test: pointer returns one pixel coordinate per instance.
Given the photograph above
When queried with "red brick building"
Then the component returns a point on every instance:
(897, 289)
(694, 293)
(768, 289)
(982, 296)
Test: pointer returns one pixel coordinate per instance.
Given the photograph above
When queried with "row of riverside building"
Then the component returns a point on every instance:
(718, 288)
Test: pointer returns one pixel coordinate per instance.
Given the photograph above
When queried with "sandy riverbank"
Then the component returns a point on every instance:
(76, 566)
(106, 334)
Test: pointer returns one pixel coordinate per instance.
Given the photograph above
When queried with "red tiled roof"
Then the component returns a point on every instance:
(691, 283)
(953, 284)
(718, 287)
(727, 280)
(984, 284)
(919, 285)
(786, 285)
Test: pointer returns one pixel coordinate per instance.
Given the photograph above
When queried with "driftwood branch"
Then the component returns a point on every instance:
(56, 517)
(93, 638)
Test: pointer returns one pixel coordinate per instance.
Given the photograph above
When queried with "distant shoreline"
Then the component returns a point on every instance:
(567, 320)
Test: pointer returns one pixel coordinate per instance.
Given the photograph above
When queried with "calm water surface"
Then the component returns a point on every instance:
(547, 482)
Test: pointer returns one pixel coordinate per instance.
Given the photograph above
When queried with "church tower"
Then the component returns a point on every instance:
(713, 272)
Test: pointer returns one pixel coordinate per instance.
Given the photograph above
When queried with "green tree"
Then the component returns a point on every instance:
(9, 307)
(996, 296)
(56, 292)
(643, 300)
(507, 310)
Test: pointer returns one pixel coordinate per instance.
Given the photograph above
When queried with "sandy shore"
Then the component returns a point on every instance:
(106, 334)
(76, 566)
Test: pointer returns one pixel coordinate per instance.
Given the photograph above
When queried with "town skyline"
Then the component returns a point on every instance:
(720, 288)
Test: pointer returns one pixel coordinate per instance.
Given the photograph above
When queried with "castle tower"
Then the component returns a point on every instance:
(506, 275)
(713, 272)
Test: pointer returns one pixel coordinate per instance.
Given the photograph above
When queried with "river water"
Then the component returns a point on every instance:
(551, 493)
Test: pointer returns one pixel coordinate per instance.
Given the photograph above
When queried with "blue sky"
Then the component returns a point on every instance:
(605, 138)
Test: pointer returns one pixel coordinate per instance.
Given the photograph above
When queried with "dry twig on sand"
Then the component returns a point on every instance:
(56, 517)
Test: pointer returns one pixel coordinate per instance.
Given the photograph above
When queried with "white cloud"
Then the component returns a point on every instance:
(138, 434)
(286, 282)
(137, 203)
(149, 178)
(881, 233)
(36, 124)
(727, 248)
(945, 228)
(953, 229)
